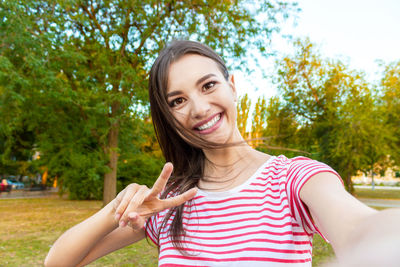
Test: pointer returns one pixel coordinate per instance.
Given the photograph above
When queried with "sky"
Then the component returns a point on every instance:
(359, 32)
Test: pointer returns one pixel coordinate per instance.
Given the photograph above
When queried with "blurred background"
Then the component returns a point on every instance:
(316, 78)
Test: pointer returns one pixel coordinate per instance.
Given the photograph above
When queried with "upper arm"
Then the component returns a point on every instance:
(119, 238)
(334, 211)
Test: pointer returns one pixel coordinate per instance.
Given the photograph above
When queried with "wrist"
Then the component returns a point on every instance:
(108, 213)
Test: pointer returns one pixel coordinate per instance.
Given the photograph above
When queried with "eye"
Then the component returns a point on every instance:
(208, 86)
(176, 102)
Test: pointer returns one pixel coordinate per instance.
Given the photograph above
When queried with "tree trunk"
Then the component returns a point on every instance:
(110, 178)
(373, 181)
(349, 184)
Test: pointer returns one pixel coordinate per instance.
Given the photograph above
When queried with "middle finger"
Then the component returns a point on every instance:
(130, 191)
(134, 203)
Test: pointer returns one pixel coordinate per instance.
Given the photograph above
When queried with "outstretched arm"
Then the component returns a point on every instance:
(349, 225)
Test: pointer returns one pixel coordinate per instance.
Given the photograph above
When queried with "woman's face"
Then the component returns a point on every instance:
(201, 99)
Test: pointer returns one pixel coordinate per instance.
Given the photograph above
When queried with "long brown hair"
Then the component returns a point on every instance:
(188, 158)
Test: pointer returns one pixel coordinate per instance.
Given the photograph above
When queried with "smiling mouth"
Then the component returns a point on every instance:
(210, 123)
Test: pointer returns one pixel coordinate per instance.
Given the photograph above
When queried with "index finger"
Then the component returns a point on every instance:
(162, 180)
(179, 199)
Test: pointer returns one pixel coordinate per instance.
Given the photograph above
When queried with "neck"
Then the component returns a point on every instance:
(227, 156)
(230, 154)
(228, 167)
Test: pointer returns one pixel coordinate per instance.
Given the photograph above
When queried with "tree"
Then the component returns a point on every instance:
(259, 121)
(17, 151)
(243, 110)
(92, 60)
(282, 129)
(390, 86)
(335, 106)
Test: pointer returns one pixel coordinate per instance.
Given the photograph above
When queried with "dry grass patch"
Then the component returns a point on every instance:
(28, 227)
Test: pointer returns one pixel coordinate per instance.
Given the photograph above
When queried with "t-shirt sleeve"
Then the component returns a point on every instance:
(151, 228)
(299, 171)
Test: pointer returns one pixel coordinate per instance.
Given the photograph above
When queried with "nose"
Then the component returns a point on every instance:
(200, 107)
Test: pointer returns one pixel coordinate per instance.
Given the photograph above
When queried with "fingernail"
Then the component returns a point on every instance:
(117, 216)
(122, 224)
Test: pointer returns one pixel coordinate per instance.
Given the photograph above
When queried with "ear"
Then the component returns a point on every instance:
(232, 85)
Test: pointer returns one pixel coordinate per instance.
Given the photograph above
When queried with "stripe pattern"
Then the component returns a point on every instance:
(261, 222)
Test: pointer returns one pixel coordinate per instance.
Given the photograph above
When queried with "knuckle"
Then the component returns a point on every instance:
(132, 186)
(124, 218)
(124, 202)
(143, 188)
(122, 205)
(115, 205)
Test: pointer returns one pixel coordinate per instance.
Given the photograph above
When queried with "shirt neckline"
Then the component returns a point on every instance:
(236, 189)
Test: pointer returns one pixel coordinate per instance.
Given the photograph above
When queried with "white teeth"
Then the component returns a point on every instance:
(210, 124)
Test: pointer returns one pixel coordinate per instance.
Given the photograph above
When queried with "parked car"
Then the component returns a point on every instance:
(4, 186)
(15, 184)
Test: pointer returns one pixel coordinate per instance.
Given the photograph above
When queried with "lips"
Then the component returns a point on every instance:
(208, 125)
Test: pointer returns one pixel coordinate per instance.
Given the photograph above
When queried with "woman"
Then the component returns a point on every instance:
(225, 204)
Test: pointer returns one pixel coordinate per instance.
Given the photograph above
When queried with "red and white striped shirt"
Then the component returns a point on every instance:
(262, 222)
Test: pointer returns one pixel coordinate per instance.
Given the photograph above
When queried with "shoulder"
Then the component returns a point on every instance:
(292, 164)
(303, 166)
(298, 170)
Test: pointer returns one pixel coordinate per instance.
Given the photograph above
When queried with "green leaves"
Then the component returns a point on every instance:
(337, 108)
(75, 74)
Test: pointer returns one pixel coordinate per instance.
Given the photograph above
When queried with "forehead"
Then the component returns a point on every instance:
(189, 69)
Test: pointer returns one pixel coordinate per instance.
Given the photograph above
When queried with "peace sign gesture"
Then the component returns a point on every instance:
(136, 203)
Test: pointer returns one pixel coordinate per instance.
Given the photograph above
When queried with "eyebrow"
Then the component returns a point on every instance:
(205, 77)
(199, 81)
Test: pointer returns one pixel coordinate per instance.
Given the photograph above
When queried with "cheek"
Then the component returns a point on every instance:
(233, 112)
(180, 116)
(231, 104)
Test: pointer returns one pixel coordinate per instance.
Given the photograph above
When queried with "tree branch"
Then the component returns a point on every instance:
(96, 24)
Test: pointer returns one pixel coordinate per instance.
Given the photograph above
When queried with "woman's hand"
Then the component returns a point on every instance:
(136, 203)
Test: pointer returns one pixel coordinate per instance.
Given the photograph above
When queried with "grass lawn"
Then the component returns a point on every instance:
(29, 226)
(377, 193)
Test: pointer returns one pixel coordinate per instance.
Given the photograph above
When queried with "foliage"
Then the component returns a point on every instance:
(140, 160)
(243, 110)
(259, 121)
(75, 72)
(331, 113)
(18, 60)
(282, 129)
(17, 146)
(335, 109)
(390, 105)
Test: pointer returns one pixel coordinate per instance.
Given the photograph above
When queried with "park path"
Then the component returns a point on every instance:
(377, 202)
(378, 187)
(15, 194)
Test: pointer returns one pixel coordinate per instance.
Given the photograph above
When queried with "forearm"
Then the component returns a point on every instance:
(74, 245)
(375, 242)
(119, 238)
